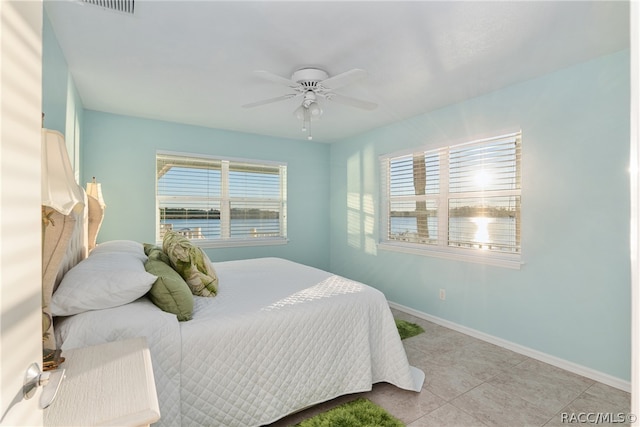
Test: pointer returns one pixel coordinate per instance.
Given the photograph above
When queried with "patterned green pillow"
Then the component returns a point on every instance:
(191, 263)
(169, 292)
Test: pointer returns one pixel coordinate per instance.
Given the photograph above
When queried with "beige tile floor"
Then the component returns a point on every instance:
(470, 383)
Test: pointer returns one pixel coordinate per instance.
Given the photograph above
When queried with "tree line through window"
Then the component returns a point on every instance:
(220, 199)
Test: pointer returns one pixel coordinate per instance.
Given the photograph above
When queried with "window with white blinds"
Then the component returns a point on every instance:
(221, 200)
(462, 199)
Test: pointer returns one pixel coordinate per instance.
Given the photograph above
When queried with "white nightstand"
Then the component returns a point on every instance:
(106, 385)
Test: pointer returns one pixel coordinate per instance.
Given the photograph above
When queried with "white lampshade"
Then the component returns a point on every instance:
(60, 191)
(94, 189)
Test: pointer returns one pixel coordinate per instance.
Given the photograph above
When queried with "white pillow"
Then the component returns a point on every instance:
(121, 246)
(103, 280)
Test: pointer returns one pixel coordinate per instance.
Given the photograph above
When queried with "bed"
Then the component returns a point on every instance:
(278, 337)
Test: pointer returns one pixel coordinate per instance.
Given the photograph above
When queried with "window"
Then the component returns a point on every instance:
(459, 202)
(217, 201)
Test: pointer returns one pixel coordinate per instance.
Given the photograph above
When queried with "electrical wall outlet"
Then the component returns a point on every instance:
(443, 294)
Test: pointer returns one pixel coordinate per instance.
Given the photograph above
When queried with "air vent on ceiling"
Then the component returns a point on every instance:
(125, 6)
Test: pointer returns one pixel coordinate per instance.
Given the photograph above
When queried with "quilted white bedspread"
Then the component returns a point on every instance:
(279, 337)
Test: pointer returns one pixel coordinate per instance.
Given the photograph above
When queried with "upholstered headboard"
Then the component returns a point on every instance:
(64, 223)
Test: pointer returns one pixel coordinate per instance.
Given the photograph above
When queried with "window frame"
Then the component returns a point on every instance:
(442, 249)
(225, 200)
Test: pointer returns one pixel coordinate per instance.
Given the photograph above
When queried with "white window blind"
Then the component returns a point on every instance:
(456, 198)
(215, 199)
(414, 185)
(484, 195)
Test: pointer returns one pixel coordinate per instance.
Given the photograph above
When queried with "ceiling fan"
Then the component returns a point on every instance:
(310, 84)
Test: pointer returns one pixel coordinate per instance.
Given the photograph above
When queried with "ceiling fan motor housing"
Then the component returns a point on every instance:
(309, 77)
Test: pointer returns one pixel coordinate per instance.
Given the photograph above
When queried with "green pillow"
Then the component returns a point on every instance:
(155, 252)
(191, 263)
(169, 292)
(148, 247)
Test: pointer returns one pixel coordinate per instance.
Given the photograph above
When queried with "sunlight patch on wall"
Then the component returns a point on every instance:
(368, 211)
(360, 204)
(353, 220)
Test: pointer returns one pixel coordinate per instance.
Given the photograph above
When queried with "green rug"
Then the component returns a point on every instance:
(408, 329)
(357, 413)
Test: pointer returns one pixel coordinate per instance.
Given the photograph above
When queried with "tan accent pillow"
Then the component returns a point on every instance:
(191, 263)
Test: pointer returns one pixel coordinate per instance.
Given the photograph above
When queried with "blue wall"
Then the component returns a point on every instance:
(54, 80)
(120, 151)
(571, 298)
(61, 103)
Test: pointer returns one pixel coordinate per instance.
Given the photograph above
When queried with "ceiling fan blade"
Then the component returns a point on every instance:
(270, 100)
(275, 78)
(353, 102)
(344, 79)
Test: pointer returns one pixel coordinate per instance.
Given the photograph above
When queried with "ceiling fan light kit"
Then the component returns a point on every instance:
(311, 83)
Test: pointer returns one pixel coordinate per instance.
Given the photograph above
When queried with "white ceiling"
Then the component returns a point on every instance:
(193, 61)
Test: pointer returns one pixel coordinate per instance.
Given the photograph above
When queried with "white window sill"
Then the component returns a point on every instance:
(235, 243)
(457, 254)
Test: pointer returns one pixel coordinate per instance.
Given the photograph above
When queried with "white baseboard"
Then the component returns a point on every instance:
(534, 354)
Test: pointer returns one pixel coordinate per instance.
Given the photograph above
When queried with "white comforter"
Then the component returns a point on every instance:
(279, 337)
